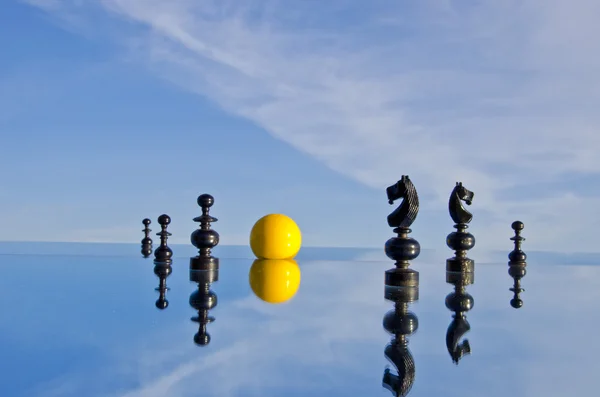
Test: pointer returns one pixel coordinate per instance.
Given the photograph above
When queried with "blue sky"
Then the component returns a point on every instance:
(116, 110)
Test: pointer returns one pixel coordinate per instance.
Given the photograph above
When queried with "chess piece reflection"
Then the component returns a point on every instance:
(204, 238)
(163, 253)
(460, 241)
(203, 300)
(400, 323)
(517, 265)
(460, 302)
(402, 248)
(162, 272)
(146, 241)
(274, 280)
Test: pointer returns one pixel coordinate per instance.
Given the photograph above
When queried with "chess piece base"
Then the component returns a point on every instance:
(400, 277)
(460, 265)
(204, 263)
(401, 294)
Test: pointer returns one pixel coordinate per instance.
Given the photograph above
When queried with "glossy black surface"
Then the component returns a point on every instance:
(78, 322)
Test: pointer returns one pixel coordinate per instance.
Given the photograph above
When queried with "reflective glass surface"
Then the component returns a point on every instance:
(82, 320)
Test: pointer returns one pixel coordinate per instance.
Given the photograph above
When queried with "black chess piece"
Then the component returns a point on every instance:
(400, 323)
(203, 300)
(205, 238)
(162, 271)
(460, 241)
(517, 265)
(163, 253)
(460, 302)
(146, 241)
(402, 248)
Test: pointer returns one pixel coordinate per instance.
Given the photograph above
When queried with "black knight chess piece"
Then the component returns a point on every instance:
(203, 300)
(402, 248)
(460, 241)
(400, 323)
(162, 272)
(146, 241)
(163, 254)
(460, 302)
(205, 238)
(517, 265)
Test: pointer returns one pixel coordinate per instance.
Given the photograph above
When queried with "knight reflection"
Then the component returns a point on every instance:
(460, 302)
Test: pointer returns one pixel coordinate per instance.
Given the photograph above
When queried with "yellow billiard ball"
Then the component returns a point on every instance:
(275, 236)
(274, 280)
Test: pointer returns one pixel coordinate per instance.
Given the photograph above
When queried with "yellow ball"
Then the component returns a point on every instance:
(275, 236)
(274, 280)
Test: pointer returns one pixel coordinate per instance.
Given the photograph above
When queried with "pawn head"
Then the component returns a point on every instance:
(146, 221)
(516, 303)
(517, 225)
(206, 200)
(162, 304)
(164, 219)
(202, 339)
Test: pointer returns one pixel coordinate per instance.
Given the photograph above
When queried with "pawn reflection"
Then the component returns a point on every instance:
(203, 300)
(460, 302)
(517, 273)
(274, 280)
(400, 323)
(162, 272)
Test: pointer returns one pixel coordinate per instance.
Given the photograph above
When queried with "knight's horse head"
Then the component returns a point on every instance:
(457, 211)
(398, 190)
(456, 331)
(463, 193)
(405, 214)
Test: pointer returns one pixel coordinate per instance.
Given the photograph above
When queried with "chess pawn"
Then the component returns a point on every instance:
(460, 302)
(203, 300)
(162, 272)
(204, 238)
(517, 265)
(146, 241)
(460, 241)
(163, 253)
(402, 248)
(400, 323)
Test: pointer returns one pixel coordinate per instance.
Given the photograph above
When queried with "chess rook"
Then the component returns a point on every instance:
(204, 238)
(203, 300)
(460, 241)
(400, 323)
(517, 265)
(163, 254)
(402, 248)
(146, 241)
(459, 302)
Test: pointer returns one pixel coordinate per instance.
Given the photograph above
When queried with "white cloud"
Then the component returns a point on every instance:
(498, 94)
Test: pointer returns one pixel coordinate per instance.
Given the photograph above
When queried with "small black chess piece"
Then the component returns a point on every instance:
(460, 302)
(460, 241)
(163, 254)
(203, 300)
(400, 323)
(162, 271)
(402, 248)
(204, 238)
(146, 241)
(517, 265)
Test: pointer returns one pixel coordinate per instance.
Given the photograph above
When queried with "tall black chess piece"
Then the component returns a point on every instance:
(460, 241)
(400, 323)
(204, 238)
(163, 253)
(146, 241)
(162, 271)
(203, 300)
(460, 302)
(517, 265)
(402, 248)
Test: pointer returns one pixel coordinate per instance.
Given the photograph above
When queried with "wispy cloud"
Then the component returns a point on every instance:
(497, 94)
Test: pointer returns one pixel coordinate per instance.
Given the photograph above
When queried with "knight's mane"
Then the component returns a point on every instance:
(412, 200)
